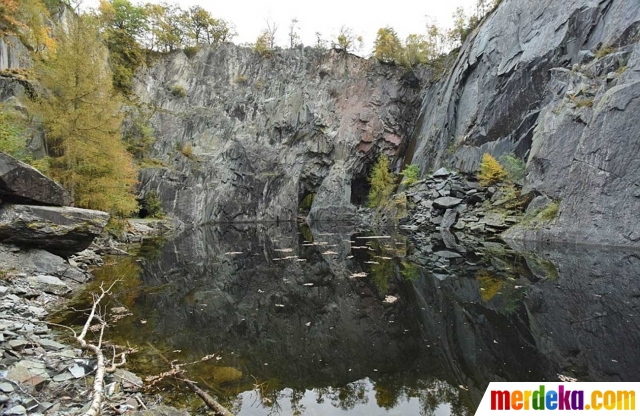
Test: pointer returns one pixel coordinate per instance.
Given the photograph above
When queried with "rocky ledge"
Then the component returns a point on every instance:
(449, 214)
(46, 251)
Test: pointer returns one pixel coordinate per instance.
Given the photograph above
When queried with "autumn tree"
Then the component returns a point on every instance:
(27, 19)
(347, 41)
(418, 50)
(124, 24)
(82, 118)
(168, 28)
(321, 43)
(436, 37)
(381, 181)
(199, 22)
(264, 43)
(462, 26)
(491, 171)
(220, 31)
(271, 30)
(387, 46)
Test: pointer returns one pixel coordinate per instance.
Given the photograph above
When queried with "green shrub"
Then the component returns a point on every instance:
(12, 135)
(381, 181)
(604, 51)
(191, 51)
(178, 91)
(307, 202)
(152, 205)
(514, 166)
(411, 175)
(549, 212)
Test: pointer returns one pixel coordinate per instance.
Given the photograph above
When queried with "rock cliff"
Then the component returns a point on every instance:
(246, 137)
(558, 84)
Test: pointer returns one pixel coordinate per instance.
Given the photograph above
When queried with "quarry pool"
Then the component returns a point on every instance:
(332, 321)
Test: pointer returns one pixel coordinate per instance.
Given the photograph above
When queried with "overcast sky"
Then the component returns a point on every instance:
(327, 16)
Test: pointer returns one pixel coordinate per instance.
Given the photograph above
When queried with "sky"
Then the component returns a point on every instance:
(327, 16)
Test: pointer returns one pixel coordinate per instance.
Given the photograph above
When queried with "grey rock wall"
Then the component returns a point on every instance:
(556, 83)
(265, 132)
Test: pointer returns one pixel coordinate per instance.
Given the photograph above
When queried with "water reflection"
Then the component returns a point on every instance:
(332, 321)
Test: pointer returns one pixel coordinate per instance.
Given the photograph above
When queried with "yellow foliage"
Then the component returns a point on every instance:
(8, 12)
(28, 18)
(490, 285)
(381, 181)
(82, 119)
(226, 374)
(387, 47)
(491, 171)
(187, 150)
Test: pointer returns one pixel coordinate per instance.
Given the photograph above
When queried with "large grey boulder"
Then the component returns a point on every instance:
(21, 183)
(35, 261)
(59, 230)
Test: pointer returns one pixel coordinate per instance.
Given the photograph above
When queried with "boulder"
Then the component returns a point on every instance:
(21, 183)
(34, 261)
(59, 230)
(538, 204)
(448, 219)
(441, 173)
(48, 284)
(446, 202)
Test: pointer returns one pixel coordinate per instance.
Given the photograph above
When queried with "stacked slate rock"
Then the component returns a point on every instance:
(452, 217)
(448, 201)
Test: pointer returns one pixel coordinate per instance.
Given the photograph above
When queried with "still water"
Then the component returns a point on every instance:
(330, 321)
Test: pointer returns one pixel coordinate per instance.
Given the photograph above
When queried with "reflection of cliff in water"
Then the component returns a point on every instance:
(281, 306)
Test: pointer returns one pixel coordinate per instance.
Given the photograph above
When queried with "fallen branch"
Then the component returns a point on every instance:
(209, 401)
(101, 369)
(177, 372)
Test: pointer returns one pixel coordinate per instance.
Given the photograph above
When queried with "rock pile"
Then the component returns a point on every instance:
(39, 374)
(447, 200)
(451, 216)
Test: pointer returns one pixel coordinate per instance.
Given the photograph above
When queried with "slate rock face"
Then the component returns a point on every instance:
(62, 231)
(267, 132)
(21, 183)
(557, 84)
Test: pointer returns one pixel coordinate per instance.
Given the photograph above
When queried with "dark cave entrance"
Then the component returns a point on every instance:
(360, 189)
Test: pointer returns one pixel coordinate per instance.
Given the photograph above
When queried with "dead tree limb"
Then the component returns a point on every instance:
(177, 372)
(101, 369)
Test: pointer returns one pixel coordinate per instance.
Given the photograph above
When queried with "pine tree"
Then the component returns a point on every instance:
(82, 117)
(381, 181)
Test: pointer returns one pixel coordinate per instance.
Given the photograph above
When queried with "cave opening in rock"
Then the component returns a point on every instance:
(360, 189)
